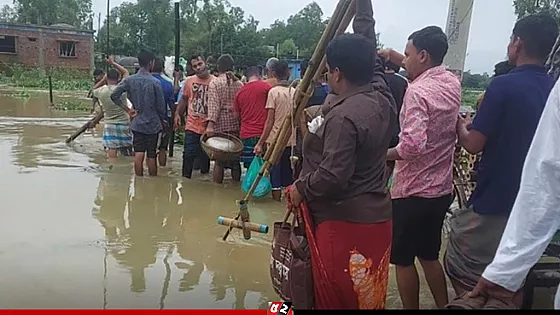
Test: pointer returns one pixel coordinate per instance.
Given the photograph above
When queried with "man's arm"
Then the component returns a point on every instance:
(161, 105)
(414, 136)
(236, 108)
(122, 70)
(535, 217)
(364, 23)
(486, 121)
(337, 162)
(270, 112)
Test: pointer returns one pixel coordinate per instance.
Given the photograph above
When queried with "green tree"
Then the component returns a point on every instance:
(526, 7)
(47, 12)
(288, 48)
(8, 14)
(210, 28)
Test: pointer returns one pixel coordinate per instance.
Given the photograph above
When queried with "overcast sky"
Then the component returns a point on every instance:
(491, 26)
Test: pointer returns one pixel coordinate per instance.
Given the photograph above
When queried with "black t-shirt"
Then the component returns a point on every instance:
(397, 85)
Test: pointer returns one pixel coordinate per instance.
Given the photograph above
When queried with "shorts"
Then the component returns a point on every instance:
(117, 135)
(248, 147)
(471, 245)
(145, 143)
(417, 225)
(192, 145)
(163, 139)
(281, 174)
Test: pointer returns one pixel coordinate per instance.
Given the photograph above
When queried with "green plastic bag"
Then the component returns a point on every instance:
(264, 187)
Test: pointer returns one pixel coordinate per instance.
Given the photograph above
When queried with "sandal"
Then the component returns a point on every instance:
(464, 302)
(496, 304)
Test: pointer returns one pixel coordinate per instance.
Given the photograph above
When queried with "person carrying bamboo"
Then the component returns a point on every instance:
(343, 179)
(116, 128)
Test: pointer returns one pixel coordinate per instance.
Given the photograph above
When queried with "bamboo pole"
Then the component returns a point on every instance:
(90, 124)
(342, 16)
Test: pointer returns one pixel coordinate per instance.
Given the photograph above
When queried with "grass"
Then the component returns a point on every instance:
(35, 78)
(470, 96)
(72, 105)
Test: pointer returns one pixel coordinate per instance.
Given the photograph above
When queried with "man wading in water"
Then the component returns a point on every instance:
(195, 97)
(150, 112)
(221, 93)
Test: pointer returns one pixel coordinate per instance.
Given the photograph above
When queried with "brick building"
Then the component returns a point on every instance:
(55, 46)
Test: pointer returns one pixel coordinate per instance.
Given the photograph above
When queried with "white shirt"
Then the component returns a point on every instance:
(535, 216)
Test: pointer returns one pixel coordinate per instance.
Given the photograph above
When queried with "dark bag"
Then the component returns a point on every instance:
(290, 264)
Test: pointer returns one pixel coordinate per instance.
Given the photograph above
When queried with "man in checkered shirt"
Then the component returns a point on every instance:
(221, 93)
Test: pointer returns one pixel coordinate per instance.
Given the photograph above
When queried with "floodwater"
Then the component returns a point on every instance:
(76, 232)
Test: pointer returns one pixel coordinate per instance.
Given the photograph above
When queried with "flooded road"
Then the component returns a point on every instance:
(76, 232)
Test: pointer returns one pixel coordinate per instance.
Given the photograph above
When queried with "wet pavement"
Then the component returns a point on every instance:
(77, 232)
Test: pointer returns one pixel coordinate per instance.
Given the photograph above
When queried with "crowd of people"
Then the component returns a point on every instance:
(375, 155)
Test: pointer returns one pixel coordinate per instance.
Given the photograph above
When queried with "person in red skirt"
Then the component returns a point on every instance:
(343, 182)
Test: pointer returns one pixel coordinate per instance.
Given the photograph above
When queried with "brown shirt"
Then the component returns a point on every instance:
(343, 176)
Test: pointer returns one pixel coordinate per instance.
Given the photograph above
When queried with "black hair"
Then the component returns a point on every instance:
(196, 57)
(389, 65)
(181, 68)
(282, 70)
(113, 74)
(144, 58)
(98, 72)
(252, 71)
(352, 55)
(433, 40)
(225, 63)
(538, 32)
(502, 68)
(158, 65)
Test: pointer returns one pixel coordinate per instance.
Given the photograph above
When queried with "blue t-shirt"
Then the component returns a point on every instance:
(508, 117)
(167, 92)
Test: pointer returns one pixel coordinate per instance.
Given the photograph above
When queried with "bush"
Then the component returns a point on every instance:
(62, 78)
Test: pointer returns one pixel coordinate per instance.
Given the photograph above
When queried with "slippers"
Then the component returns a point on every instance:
(464, 302)
(496, 304)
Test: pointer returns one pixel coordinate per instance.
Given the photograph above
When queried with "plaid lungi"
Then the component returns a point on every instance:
(117, 135)
(248, 154)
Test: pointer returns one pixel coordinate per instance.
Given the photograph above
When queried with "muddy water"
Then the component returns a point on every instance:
(76, 232)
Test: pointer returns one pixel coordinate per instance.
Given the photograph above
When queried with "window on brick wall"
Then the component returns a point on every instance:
(7, 44)
(67, 49)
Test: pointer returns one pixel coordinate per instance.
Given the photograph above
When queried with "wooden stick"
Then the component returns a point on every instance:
(255, 227)
(343, 15)
(90, 124)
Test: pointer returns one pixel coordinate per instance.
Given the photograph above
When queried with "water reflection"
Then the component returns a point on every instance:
(147, 220)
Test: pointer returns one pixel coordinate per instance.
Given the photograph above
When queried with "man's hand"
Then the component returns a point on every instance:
(132, 113)
(211, 127)
(177, 121)
(385, 54)
(295, 196)
(486, 288)
(110, 60)
(463, 122)
(258, 150)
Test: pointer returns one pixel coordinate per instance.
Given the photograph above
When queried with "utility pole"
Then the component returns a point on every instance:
(108, 35)
(457, 30)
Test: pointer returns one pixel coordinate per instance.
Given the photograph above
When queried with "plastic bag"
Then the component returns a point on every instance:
(264, 187)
